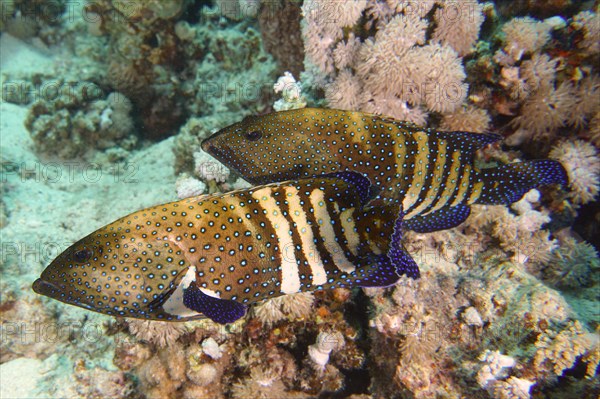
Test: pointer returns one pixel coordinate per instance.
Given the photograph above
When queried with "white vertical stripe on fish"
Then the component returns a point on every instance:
(317, 200)
(309, 248)
(290, 277)
(347, 220)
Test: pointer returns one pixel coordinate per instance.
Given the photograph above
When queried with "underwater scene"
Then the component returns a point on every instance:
(271, 199)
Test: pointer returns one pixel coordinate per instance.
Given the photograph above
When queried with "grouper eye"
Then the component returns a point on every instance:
(82, 255)
(253, 135)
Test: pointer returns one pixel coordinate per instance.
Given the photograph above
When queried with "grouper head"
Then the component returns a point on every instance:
(122, 269)
(278, 146)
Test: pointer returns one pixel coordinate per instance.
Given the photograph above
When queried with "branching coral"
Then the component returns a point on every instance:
(291, 92)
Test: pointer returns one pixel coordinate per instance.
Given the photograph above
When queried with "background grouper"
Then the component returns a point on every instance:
(214, 254)
(431, 173)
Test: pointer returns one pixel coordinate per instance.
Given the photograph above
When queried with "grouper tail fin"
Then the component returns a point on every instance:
(508, 183)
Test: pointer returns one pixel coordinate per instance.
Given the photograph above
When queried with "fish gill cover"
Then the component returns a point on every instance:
(104, 109)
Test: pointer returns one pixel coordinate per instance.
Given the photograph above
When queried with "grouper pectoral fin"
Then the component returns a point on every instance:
(401, 260)
(221, 311)
(365, 189)
(444, 218)
(384, 272)
(385, 269)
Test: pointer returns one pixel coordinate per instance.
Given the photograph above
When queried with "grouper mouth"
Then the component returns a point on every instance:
(53, 291)
(44, 287)
(224, 156)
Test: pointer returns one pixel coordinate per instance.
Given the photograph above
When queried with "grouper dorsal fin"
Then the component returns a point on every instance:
(468, 142)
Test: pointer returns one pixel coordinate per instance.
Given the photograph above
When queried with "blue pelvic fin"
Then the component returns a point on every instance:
(508, 183)
(401, 260)
(379, 273)
(444, 218)
(222, 311)
(366, 190)
(385, 269)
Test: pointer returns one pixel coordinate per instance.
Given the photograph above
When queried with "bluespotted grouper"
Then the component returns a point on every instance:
(432, 174)
(211, 256)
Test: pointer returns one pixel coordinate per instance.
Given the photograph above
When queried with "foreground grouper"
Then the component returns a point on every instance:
(214, 254)
(431, 173)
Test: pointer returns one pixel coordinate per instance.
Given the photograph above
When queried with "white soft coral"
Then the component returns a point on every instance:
(582, 164)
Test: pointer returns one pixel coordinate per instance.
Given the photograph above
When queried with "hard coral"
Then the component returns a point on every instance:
(80, 119)
(558, 351)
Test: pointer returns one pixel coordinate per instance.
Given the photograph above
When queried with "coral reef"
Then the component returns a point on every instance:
(507, 303)
(158, 333)
(80, 119)
(396, 70)
(582, 164)
(279, 23)
(291, 92)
